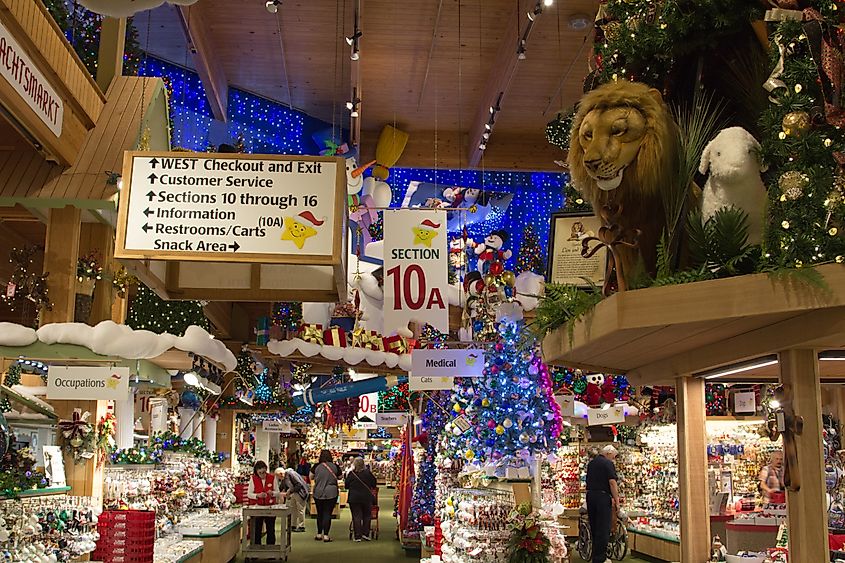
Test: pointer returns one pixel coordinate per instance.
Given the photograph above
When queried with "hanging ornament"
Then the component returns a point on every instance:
(796, 124)
(507, 423)
(792, 184)
(612, 31)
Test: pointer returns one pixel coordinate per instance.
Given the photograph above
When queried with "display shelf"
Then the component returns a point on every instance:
(39, 492)
(658, 333)
(191, 533)
(188, 556)
(665, 536)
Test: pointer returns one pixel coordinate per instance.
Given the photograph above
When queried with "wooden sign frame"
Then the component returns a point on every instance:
(169, 286)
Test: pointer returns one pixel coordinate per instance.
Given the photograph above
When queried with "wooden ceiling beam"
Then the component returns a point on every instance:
(502, 72)
(206, 60)
(220, 315)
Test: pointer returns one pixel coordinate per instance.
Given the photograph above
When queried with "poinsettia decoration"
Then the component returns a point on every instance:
(528, 543)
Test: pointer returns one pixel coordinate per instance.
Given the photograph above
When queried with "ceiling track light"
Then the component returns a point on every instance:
(548, 3)
(273, 5)
(355, 55)
(740, 367)
(520, 51)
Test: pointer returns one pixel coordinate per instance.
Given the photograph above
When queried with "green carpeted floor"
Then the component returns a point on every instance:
(344, 550)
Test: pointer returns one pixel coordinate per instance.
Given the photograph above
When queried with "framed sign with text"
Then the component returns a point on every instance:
(566, 265)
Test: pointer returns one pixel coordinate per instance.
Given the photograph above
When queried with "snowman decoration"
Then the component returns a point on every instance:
(491, 257)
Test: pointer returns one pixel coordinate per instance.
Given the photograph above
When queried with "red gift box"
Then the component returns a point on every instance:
(277, 333)
(335, 336)
(395, 344)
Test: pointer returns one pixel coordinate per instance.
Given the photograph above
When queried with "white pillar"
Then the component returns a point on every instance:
(196, 430)
(210, 433)
(158, 416)
(186, 423)
(124, 413)
(262, 446)
(276, 443)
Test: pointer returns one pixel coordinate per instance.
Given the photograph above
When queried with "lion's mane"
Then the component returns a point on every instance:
(645, 179)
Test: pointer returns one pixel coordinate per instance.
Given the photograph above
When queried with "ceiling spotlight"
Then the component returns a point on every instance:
(354, 114)
(482, 146)
(191, 379)
(355, 56)
(520, 51)
(349, 105)
(531, 16)
(485, 135)
(487, 126)
(273, 6)
(548, 2)
(579, 22)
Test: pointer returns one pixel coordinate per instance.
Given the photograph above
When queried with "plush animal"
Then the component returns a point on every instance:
(592, 395)
(490, 252)
(608, 391)
(624, 150)
(733, 159)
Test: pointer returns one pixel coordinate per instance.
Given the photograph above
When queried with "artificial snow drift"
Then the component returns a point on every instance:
(352, 356)
(111, 339)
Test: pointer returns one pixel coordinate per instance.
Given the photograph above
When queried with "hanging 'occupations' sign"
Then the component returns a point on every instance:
(229, 207)
(416, 272)
(88, 383)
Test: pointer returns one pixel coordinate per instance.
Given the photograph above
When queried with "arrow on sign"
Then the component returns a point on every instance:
(150, 195)
(146, 227)
(152, 178)
(234, 246)
(148, 212)
(153, 162)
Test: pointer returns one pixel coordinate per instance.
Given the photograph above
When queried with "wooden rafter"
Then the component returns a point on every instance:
(206, 61)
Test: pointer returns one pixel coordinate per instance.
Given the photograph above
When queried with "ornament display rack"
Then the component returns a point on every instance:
(475, 528)
(48, 527)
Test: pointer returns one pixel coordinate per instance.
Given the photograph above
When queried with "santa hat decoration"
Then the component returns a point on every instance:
(308, 216)
(430, 223)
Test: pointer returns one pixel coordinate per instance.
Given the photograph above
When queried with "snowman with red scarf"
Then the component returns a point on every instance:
(491, 257)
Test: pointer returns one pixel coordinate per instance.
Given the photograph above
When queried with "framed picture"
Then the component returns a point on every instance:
(566, 265)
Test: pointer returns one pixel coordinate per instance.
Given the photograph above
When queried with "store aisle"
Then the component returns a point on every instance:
(344, 550)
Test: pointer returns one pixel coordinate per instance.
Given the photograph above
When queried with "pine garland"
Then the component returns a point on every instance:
(149, 312)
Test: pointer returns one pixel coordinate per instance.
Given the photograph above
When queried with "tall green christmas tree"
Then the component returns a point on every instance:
(804, 144)
(149, 312)
(82, 29)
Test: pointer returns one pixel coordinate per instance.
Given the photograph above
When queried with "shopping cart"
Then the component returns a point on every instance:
(373, 519)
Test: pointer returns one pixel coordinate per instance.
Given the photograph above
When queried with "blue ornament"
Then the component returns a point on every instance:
(190, 399)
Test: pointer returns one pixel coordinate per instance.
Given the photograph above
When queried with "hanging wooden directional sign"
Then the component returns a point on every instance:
(235, 226)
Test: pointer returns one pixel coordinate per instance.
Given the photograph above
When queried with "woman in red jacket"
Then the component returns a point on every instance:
(262, 492)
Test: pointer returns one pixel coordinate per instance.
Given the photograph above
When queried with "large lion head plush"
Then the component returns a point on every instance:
(624, 149)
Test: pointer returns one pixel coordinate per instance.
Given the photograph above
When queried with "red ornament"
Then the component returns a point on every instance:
(496, 268)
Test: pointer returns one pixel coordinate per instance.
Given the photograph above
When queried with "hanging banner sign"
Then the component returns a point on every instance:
(416, 269)
(447, 363)
(745, 402)
(30, 84)
(612, 415)
(367, 408)
(230, 207)
(335, 443)
(429, 383)
(282, 426)
(89, 383)
(384, 419)
(567, 405)
(354, 434)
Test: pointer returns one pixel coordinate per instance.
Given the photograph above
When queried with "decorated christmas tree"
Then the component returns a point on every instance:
(509, 413)
(434, 420)
(531, 257)
(149, 312)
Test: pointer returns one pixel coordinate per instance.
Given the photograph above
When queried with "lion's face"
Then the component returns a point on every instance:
(610, 140)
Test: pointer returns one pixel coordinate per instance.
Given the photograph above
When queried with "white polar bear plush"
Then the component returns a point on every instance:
(733, 158)
(126, 8)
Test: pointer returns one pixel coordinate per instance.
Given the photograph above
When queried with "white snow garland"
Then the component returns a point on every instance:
(12, 334)
(126, 8)
(350, 355)
(111, 339)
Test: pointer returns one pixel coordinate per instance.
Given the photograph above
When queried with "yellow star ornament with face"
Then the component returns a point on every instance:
(425, 233)
(113, 381)
(297, 229)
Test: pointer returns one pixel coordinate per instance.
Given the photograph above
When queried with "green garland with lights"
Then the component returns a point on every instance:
(149, 312)
(558, 129)
(804, 145)
(13, 377)
(170, 442)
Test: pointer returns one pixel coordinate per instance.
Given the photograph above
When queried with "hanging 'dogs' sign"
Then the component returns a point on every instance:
(126, 8)
(415, 270)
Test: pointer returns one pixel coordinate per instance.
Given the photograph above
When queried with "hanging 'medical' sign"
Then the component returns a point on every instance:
(229, 207)
(447, 363)
(416, 271)
(88, 383)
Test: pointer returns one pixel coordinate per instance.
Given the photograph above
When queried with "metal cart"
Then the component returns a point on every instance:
(277, 552)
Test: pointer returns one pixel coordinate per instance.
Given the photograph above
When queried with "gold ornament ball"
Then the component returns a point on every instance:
(491, 281)
(612, 30)
(796, 123)
(509, 278)
(793, 183)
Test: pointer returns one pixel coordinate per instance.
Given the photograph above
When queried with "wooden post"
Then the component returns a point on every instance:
(692, 468)
(60, 256)
(226, 435)
(84, 479)
(99, 238)
(807, 508)
(110, 55)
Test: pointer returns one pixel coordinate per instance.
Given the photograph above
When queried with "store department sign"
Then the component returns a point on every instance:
(88, 383)
(30, 84)
(447, 363)
(283, 426)
(385, 419)
(614, 414)
(229, 207)
(427, 383)
(367, 409)
(416, 270)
